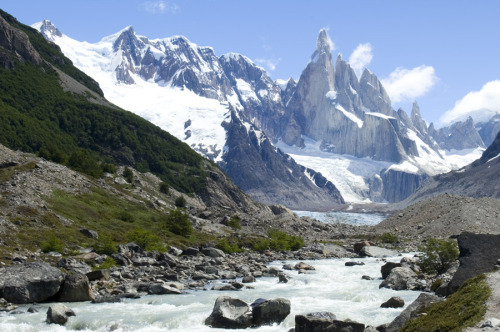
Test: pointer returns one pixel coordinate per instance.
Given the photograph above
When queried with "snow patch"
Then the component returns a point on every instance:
(332, 95)
(380, 115)
(349, 115)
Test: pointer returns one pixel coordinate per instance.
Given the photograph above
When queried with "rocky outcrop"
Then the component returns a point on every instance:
(32, 282)
(17, 44)
(412, 311)
(58, 314)
(489, 130)
(398, 185)
(401, 278)
(268, 312)
(460, 135)
(479, 253)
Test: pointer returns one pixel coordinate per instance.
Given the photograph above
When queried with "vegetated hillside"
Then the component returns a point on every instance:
(48, 106)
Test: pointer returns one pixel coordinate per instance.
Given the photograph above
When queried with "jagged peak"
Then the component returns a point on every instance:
(231, 56)
(415, 109)
(47, 29)
(324, 42)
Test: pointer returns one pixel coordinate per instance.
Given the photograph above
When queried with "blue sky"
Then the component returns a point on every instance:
(443, 54)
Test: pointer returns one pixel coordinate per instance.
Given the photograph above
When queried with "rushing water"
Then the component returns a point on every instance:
(335, 217)
(331, 287)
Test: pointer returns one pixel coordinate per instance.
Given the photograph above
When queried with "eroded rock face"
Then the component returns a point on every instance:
(33, 282)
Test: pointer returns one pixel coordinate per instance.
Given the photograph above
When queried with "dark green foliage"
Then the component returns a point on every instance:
(128, 175)
(462, 309)
(228, 246)
(180, 201)
(438, 255)
(53, 243)
(144, 238)
(178, 223)
(234, 222)
(389, 238)
(108, 263)
(164, 188)
(106, 245)
(38, 116)
(126, 216)
(279, 240)
(436, 284)
(108, 168)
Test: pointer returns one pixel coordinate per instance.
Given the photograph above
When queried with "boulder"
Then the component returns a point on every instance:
(70, 264)
(316, 321)
(479, 253)
(230, 313)
(400, 278)
(76, 288)
(374, 251)
(360, 245)
(89, 233)
(412, 311)
(393, 302)
(191, 251)
(248, 279)
(33, 282)
(282, 278)
(98, 275)
(58, 313)
(353, 263)
(387, 268)
(158, 288)
(270, 311)
(303, 266)
(213, 252)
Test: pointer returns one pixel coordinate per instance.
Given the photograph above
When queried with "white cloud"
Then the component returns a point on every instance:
(480, 105)
(269, 64)
(159, 7)
(407, 84)
(361, 57)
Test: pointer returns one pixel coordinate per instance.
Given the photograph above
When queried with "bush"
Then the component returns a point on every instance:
(126, 216)
(180, 201)
(389, 238)
(144, 238)
(228, 247)
(108, 263)
(279, 240)
(53, 243)
(164, 188)
(178, 223)
(106, 245)
(438, 255)
(234, 222)
(128, 175)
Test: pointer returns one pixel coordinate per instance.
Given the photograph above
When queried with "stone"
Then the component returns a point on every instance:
(303, 266)
(33, 282)
(393, 302)
(191, 252)
(99, 275)
(76, 288)
(282, 278)
(224, 287)
(175, 251)
(270, 311)
(316, 321)
(158, 288)
(400, 278)
(374, 251)
(353, 263)
(89, 233)
(248, 279)
(213, 252)
(230, 313)
(72, 265)
(360, 245)
(387, 268)
(58, 313)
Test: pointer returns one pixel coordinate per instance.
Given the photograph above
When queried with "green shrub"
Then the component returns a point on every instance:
(180, 201)
(462, 309)
(228, 247)
(234, 222)
(178, 223)
(279, 240)
(144, 238)
(86, 162)
(108, 263)
(126, 216)
(108, 168)
(438, 255)
(164, 188)
(106, 245)
(53, 243)
(436, 284)
(389, 238)
(128, 175)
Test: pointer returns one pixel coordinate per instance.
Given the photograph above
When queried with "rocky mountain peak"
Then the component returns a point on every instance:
(374, 95)
(417, 120)
(324, 42)
(49, 30)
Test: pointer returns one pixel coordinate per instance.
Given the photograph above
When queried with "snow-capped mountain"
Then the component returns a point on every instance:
(217, 105)
(340, 131)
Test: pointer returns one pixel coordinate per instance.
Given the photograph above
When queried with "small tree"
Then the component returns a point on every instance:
(180, 201)
(178, 223)
(128, 175)
(164, 188)
(438, 255)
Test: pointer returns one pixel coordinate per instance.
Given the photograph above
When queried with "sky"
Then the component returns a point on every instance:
(443, 54)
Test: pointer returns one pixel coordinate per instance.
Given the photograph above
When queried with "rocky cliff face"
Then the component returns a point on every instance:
(489, 130)
(460, 135)
(16, 41)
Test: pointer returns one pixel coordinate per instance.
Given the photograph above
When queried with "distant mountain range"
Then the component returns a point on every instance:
(326, 139)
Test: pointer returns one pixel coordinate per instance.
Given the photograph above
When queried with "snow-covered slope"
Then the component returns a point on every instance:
(343, 131)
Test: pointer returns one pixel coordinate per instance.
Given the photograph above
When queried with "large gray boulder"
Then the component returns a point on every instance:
(400, 278)
(58, 313)
(76, 288)
(230, 313)
(412, 311)
(374, 251)
(387, 268)
(270, 311)
(316, 321)
(33, 282)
